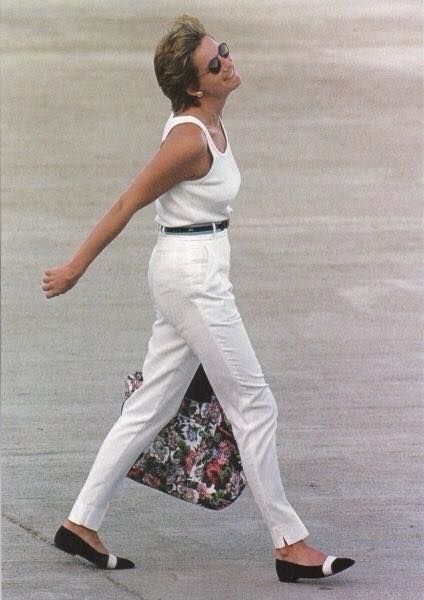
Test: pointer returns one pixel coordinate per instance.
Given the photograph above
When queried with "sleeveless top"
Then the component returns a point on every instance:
(200, 200)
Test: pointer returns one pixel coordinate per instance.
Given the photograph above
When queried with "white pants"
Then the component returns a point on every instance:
(197, 321)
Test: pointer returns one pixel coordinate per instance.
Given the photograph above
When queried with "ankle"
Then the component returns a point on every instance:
(286, 551)
(76, 527)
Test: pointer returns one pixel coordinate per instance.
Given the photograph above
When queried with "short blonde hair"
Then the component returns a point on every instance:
(173, 61)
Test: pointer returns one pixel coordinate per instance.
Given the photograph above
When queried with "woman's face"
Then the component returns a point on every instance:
(215, 84)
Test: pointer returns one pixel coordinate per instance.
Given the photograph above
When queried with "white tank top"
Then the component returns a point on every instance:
(200, 200)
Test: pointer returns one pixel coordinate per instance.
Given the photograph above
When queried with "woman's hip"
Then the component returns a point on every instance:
(189, 265)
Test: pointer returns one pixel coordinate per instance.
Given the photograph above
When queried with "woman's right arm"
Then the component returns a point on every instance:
(182, 155)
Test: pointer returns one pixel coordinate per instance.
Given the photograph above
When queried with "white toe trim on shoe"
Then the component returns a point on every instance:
(326, 565)
(111, 561)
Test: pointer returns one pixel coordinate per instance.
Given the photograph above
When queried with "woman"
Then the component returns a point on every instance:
(193, 178)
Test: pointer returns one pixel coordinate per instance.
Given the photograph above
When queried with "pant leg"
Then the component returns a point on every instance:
(168, 369)
(200, 304)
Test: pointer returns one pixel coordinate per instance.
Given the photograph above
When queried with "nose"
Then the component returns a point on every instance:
(226, 63)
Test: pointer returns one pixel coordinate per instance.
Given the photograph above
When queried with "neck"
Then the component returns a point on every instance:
(210, 110)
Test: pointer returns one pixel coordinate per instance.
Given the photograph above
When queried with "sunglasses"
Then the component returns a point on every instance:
(215, 64)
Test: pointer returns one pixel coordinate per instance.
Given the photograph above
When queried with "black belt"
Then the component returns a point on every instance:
(193, 228)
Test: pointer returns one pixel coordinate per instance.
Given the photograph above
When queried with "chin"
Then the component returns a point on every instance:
(237, 80)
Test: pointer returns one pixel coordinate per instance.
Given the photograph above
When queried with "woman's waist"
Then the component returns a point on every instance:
(179, 238)
(195, 228)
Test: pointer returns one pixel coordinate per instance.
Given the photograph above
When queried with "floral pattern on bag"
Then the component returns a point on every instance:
(195, 456)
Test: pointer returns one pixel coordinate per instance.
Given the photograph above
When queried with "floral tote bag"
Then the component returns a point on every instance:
(195, 456)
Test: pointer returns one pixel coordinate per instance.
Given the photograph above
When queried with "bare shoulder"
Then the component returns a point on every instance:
(187, 147)
(188, 137)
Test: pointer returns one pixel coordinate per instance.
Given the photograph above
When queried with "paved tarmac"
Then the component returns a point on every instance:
(326, 264)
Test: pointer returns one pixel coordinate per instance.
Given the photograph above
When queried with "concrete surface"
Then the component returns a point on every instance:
(327, 268)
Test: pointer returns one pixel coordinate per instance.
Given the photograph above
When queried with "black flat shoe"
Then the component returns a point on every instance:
(288, 571)
(70, 542)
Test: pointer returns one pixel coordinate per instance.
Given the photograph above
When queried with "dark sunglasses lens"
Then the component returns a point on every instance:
(223, 50)
(215, 66)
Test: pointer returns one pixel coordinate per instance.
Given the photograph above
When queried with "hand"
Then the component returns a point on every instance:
(59, 280)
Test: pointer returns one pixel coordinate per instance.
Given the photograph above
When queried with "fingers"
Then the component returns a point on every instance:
(47, 281)
(50, 290)
(48, 285)
(52, 294)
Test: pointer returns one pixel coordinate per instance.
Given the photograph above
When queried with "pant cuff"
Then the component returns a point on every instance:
(284, 537)
(88, 515)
